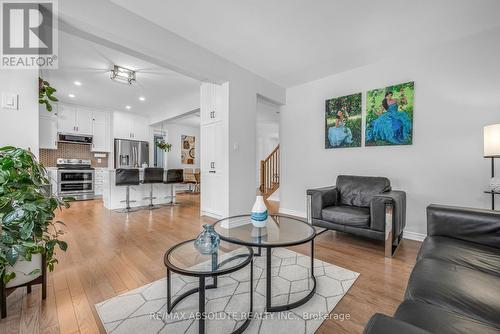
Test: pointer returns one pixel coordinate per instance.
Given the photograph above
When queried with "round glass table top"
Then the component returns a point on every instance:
(185, 259)
(279, 231)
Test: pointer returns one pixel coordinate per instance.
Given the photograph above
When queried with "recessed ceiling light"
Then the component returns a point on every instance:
(142, 98)
(77, 83)
(128, 107)
(71, 95)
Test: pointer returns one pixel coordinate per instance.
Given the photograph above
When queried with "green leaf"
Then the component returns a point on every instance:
(27, 229)
(63, 245)
(8, 276)
(11, 256)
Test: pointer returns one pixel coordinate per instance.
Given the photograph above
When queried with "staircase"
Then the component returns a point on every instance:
(270, 173)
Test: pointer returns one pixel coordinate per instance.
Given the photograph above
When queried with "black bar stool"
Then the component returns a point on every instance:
(127, 177)
(151, 176)
(174, 176)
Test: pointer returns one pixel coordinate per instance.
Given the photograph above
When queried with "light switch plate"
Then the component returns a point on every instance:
(10, 100)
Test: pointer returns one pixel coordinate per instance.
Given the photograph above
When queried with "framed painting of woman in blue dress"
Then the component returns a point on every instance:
(343, 121)
(389, 115)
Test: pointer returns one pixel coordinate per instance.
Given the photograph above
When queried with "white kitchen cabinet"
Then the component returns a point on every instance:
(98, 181)
(213, 149)
(100, 137)
(130, 126)
(75, 120)
(66, 119)
(212, 201)
(83, 121)
(100, 116)
(210, 108)
(48, 133)
(100, 132)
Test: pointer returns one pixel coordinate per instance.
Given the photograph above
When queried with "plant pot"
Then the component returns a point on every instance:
(22, 268)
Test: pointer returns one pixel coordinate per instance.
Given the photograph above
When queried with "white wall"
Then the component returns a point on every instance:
(174, 133)
(20, 127)
(457, 92)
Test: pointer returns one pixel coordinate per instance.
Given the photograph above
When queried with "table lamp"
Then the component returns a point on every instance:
(492, 150)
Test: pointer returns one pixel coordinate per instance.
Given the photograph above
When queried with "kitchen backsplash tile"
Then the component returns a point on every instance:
(71, 151)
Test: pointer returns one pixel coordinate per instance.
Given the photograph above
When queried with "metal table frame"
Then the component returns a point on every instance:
(269, 247)
(202, 275)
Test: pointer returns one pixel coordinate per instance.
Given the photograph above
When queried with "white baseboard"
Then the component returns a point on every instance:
(211, 215)
(296, 213)
(414, 236)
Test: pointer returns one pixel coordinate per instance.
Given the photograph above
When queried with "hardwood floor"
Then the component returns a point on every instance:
(110, 253)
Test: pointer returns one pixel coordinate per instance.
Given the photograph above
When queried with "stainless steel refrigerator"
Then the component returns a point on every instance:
(131, 153)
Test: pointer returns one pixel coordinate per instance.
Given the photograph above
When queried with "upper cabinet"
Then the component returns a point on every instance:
(130, 126)
(66, 119)
(72, 119)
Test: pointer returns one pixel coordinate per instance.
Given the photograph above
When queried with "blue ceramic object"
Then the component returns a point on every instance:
(207, 241)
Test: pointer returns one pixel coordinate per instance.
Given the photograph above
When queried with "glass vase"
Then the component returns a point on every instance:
(207, 241)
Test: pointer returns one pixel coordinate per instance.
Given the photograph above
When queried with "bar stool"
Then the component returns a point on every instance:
(127, 177)
(151, 176)
(174, 176)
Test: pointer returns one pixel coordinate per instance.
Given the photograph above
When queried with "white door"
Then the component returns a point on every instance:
(66, 119)
(84, 121)
(48, 133)
(99, 138)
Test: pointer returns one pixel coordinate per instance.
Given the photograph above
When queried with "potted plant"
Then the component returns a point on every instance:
(45, 94)
(28, 228)
(163, 145)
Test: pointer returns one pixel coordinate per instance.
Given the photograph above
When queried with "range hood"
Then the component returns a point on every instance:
(76, 139)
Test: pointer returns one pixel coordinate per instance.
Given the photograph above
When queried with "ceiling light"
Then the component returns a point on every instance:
(128, 107)
(71, 95)
(77, 83)
(142, 98)
(122, 74)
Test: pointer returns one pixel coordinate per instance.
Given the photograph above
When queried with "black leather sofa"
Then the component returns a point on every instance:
(455, 284)
(361, 205)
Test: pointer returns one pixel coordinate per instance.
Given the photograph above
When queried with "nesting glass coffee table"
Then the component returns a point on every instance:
(279, 231)
(185, 259)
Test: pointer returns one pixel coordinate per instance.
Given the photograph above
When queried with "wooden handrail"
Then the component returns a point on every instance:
(270, 173)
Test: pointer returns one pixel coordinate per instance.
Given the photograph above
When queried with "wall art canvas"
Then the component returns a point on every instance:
(188, 153)
(389, 115)
(343, 121)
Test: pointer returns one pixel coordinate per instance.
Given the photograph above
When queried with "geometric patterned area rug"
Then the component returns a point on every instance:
(143, 310)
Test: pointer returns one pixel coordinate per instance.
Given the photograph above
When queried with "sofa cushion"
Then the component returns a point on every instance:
(347, 215)
(359, 190)
(467, 254)
(457, 289)
(437, 320)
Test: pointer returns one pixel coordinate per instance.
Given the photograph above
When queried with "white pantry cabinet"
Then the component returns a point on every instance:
(101, 141)
(130, 126)
(214, 149)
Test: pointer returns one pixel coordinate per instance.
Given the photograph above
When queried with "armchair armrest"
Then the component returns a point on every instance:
(395, 198)
(318, 199)
(383, 324)
(474, 225)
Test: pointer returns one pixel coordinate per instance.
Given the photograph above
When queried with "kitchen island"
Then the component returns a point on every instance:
(113, 195)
